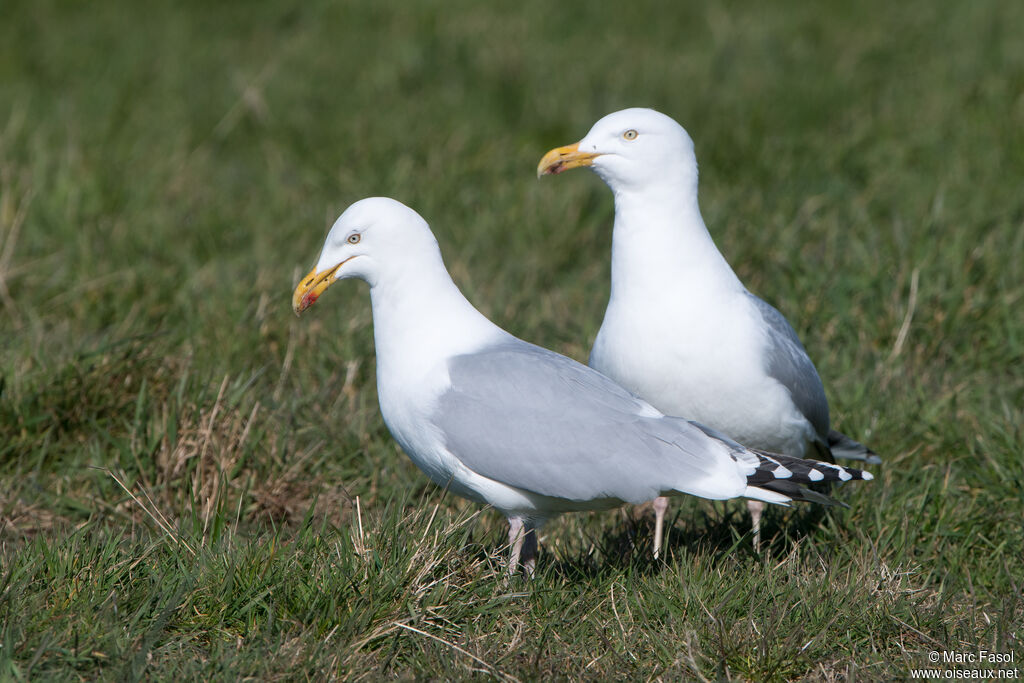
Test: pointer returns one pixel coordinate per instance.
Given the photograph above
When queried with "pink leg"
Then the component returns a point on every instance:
(522, 537)
(660, 506)
(516, 537)
(756, 507)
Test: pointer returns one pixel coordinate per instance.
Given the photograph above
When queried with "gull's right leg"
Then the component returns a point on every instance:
(660, 506)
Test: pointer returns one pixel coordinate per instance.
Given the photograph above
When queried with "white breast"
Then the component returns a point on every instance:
(702, 360)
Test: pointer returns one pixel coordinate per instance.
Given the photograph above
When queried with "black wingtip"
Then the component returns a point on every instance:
(842, 446)
(777, 467)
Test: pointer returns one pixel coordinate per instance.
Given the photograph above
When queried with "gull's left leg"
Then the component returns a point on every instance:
(516, 536)
(529, 550)
(756, 507)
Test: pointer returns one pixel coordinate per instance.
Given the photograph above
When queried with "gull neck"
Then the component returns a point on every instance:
(421, 317)
(660, 238)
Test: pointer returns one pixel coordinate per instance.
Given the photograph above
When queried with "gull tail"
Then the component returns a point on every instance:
(846, 448)
(780, 478)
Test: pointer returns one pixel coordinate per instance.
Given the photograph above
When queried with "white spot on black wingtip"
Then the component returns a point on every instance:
(844, 475)
(867, 476)
(815, 475)
(775, 468)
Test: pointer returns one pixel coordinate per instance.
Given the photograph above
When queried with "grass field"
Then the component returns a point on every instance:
(195, 484)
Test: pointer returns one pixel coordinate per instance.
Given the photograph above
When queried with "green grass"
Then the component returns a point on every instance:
(194, 484)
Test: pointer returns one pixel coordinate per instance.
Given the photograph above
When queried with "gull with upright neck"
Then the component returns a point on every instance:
(500, 421)
(681, 330)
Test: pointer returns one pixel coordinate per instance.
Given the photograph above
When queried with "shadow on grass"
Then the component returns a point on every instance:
(721, 531)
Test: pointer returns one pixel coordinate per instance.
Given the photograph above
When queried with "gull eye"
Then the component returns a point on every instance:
(629, 135)
(354, 238)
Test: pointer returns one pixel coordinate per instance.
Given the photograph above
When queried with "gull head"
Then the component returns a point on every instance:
(375, 239)
(629, 148)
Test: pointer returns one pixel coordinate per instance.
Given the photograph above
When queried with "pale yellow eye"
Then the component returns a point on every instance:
(629, 134)
(353, 238)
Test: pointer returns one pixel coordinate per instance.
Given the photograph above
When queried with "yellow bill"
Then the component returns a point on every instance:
(311, 287)
(564, 158)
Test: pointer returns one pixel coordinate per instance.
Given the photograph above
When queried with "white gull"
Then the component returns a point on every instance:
(681, 330)
(500, 421)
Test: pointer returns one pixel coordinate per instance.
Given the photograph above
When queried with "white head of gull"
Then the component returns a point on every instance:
(500, 421)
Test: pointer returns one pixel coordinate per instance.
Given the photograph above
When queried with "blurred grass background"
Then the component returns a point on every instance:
(180, 458)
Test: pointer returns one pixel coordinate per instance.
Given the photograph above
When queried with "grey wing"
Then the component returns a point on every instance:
(533, 419)
(787, 361)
